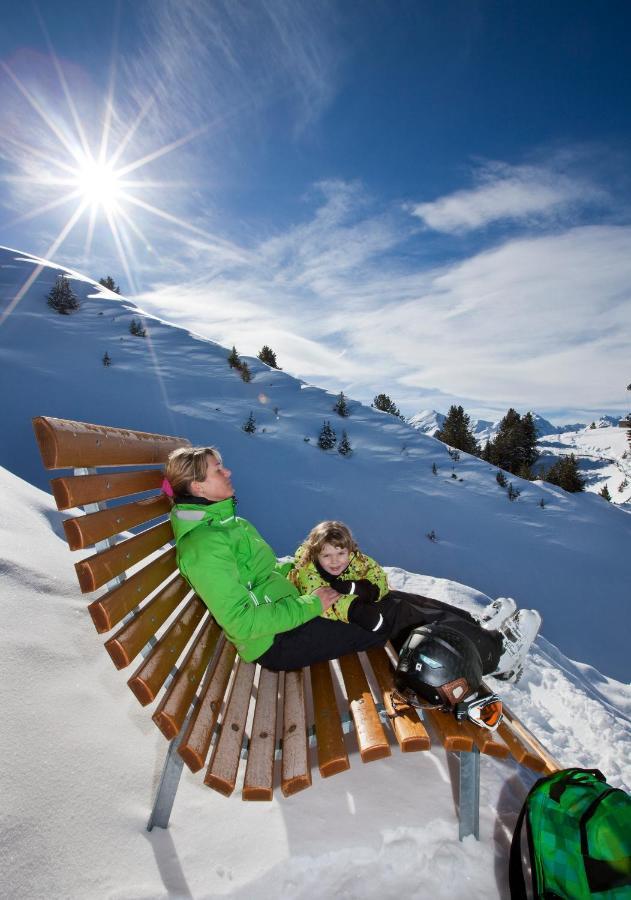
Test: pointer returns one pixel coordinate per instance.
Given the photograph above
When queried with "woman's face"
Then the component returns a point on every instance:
(217, 484)
(333, 559)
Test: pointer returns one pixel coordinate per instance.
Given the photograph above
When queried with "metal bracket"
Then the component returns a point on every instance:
(469, 799)
(169, 780)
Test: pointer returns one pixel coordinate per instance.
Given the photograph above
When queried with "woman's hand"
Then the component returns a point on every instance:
(327, 595)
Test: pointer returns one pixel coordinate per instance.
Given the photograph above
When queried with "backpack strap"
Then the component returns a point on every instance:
(516, 880)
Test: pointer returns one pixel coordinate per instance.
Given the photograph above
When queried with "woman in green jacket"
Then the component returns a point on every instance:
(267, 618)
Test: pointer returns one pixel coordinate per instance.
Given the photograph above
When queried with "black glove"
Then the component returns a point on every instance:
(362, 588)
(366, 614)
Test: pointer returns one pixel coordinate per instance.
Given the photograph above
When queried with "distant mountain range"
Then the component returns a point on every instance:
(429, 422)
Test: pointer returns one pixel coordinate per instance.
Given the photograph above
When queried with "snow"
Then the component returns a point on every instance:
(81, 759)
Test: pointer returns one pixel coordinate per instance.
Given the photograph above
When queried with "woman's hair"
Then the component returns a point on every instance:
(336, 533)
(187, 464)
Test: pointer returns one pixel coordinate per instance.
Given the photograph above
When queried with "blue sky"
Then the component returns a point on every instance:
(427, 199)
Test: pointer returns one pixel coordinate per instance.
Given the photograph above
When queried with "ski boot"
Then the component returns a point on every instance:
(497, 612)
(518, 633)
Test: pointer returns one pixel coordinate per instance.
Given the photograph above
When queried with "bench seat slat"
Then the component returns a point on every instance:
(127, 643)
(153, 671)
(519, 751)
(371, 737)
(485, 740)
(259, 774)
(85, 531)
(452, 736)
(295, 768)
(97, 570)
(108, 610)
(551, 765)
(196, 739)
(408, 729)
(175, 704)
(65, 444)
(222, 771)
(332, 755)
(79, 490)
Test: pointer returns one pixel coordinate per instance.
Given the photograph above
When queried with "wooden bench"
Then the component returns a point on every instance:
(214, 708)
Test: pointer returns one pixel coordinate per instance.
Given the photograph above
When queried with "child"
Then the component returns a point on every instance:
(331, 557)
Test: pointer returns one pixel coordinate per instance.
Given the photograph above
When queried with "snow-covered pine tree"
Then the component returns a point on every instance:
(385, 404)
(268, 356)
(327, 437)
(604, 493)
(62, 298)
(244, 369)
(249, 426)
(564, 473)
(110, 284)
(233, 359)
(341, 406)
(456, 431)
(107, 359)
(135, 328)
(344, 446)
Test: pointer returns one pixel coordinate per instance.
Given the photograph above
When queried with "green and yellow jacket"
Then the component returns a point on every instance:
(236, 574)
(307, 578)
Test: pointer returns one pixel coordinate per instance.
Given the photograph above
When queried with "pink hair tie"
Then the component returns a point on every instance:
(166, 487)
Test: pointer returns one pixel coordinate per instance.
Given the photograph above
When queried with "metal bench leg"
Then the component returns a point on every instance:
(469, 814)
(167, 789)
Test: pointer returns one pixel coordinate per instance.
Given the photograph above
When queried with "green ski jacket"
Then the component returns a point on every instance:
(236, 574)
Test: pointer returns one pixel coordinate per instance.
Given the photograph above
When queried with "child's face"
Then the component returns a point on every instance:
(333, 559)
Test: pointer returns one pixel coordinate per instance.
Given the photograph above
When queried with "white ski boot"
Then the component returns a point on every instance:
(496, 612)
(518, 632)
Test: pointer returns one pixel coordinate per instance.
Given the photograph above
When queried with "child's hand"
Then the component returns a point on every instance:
(327, 595)
(366, 615)
(362, 588)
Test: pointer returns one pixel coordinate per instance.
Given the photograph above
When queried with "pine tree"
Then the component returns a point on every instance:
(434, 469)
(268, 356)
(513, 492)
(249, 425)
(564, 473)
(456, 431)
(341, 406)
(327, 438)
(515, 444)
(385, 404)
(110, 284)
(107, 359)
(135, 328)
(244, 369)
(62, 298)
(605, 493)
(501, 479)
(233, 359)
(344, 446)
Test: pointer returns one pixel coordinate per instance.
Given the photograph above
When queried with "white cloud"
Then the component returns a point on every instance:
(537, 322)
(505, 192)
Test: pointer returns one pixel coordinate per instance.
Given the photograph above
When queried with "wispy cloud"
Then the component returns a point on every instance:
(537, 321)
(507, 193)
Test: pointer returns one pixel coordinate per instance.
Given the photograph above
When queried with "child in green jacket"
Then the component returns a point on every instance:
(330, 557)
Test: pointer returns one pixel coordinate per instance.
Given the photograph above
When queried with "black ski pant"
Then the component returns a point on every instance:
(322, 638)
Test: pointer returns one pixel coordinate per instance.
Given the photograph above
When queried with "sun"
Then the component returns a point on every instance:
(99, 185)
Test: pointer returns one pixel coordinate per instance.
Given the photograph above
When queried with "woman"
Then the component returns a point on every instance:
(236, 574)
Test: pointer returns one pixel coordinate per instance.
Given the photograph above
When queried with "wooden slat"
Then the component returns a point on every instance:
(520, 752)
(109, 609)
(152, 672)
(332, 755)
(222, 771)
(175, 704)
(371, 737)
(409, 731)
(84, 531)
(453, 737)
(96, 570)
(78, 490)
(295, 768)
(484, 740)
(196, 739)
(65, 444)
(259, 774)
(127, 643)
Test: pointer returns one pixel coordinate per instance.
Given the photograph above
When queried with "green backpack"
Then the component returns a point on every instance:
(579, 839)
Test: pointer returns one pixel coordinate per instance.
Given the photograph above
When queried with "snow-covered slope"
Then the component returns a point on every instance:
(567, 558)
(81, 759)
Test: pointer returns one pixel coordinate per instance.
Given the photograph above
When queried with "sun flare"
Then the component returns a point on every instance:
(99, 185)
